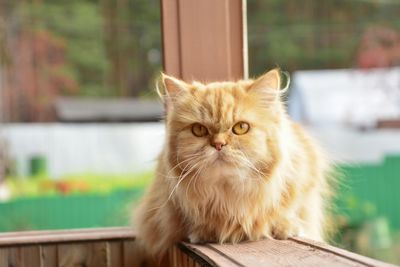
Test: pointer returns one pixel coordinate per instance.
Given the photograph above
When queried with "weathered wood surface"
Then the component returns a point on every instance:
(115, 247)
(103, 247)
(294, 252)
(61, 236)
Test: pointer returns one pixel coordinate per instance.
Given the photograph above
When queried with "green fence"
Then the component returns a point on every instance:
(65, 212)
(371, 191)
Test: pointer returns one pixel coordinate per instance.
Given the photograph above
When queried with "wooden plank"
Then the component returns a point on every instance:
(129, 255)
(15, 256)
(115, 254)
(68, 231)
(78, 254)
(204, 256)
(3, 257)
(297, 252)
(163, 262)
(90, 254)
(48, 255)
(62, 236)
(340, 252)
(184, 258)
(187, 261)
(178, 258)
(208, 49)
(30, 256)
(133, 255)
(99, 255)
(171, 37)
(171, 256)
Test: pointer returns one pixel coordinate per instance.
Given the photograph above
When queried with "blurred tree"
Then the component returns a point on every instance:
(379, 48)
(98, 48)
(108, 43)
(132, 34)
(78, 24)
(312, 34)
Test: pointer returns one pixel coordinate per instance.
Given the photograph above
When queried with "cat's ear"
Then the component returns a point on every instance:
(268, 85)
(169, 89)
(172, 85)
(270, 80)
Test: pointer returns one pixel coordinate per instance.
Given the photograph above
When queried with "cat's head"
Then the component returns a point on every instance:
(223, 128)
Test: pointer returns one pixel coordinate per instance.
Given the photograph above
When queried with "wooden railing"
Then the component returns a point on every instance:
(114, 247)
(89, 247)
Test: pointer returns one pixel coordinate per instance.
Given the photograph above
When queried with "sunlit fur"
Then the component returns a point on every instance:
(267, 183)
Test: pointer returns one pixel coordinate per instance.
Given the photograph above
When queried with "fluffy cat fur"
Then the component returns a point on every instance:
(267, 183)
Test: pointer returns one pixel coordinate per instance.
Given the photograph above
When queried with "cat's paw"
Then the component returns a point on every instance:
(282, 234)
(195, 239)
(284, 231)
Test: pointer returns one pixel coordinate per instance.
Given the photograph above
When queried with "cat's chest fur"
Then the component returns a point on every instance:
(227, 204)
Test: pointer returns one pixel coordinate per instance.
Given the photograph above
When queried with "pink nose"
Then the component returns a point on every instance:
(218, 145)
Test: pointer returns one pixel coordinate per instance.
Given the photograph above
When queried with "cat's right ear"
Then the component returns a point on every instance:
(171, 87)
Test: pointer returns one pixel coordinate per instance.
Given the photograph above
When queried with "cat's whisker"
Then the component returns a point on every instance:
(196, 154)
(252, 166)
(247, 162)
(181, 179)
(190, 158)
(257, 175)
(236, 165)
(194, 177)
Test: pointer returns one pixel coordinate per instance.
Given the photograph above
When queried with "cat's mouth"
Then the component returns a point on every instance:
(221, 157)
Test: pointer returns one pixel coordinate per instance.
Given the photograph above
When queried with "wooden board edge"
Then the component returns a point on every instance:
(63, 236)
(341, 253)
(207, 256)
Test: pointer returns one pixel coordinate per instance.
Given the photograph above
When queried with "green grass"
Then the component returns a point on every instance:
(78, 184)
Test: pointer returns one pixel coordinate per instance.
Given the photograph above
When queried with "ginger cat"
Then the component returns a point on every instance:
(234, 167)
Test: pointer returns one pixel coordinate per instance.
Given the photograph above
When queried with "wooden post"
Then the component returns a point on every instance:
(205, 40)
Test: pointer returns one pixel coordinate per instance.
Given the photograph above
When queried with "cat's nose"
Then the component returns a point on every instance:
(218, 141)
(218, 145)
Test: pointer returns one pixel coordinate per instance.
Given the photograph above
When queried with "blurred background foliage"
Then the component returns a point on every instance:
(112, 48)
(327, 34)
(85, 48)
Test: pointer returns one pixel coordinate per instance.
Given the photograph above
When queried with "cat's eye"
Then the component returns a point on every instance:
(241, 128)
(199, 130)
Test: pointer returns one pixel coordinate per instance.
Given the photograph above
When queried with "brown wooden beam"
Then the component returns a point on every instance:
(265, 253)
(205, 40)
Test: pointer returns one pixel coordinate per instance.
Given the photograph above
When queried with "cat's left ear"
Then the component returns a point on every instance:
(268, 85)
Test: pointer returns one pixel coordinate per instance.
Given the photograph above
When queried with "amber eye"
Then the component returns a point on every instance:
(240, 128)
(199, 130)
